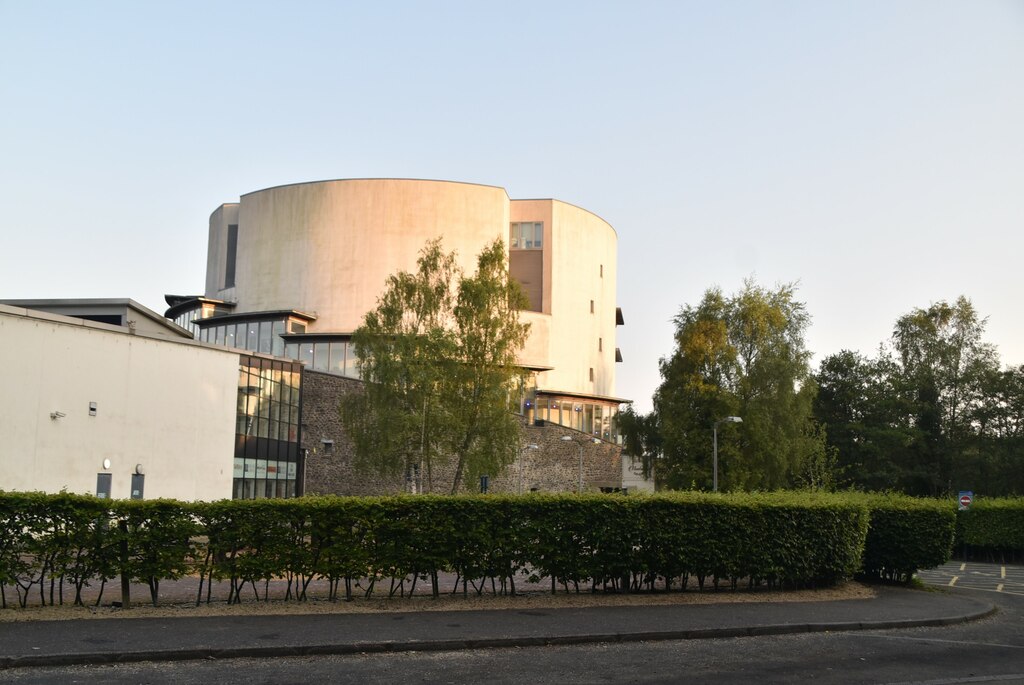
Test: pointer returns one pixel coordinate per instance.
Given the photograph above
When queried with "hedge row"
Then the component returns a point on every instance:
(994, 526)
(782, 539)
(906, 534)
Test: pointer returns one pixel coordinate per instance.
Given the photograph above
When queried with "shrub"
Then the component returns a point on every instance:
(995, 525)
(906, 534)
(782, 539)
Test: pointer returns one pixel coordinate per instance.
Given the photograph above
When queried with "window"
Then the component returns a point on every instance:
(229, 261)
(591, 374)
(264, 337)
(601, 272)
(526, 235)
(277, 341)
(600, 344)
(591, 306)
(337, 363)
(266, 444)
(320, 356)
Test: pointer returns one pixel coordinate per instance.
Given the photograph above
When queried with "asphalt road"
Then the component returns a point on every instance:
(990, 650)
(977, 576)
(986, 651)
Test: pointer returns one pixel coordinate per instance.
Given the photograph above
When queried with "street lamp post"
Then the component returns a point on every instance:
(579, 480)
(531, 446)
(727, 419)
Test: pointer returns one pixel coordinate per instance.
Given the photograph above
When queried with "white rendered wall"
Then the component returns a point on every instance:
(168, 406)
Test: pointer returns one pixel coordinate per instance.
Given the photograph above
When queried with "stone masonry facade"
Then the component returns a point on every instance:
(554, 466)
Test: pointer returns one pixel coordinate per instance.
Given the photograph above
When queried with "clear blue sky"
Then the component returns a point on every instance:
(872, 151)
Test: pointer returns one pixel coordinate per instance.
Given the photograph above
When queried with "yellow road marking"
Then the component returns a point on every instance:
(953, 582)
(963, 566)
(1002, 571)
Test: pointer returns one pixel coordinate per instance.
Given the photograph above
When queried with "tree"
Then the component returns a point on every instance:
(931, 414)
(865, 416)
(438, 358)
(741, 355)
(944, 363)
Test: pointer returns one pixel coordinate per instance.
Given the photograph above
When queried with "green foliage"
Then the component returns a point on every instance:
(906, 534)
(438, 355)
(249, 542)
(741, 355)
(48, 540)
(159, 534)
(793, 539)
(995, 524)
(931, 414)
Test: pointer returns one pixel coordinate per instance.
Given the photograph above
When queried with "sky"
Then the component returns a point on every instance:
(871, 152)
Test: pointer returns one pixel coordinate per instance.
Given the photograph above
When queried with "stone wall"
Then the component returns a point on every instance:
(554, 466)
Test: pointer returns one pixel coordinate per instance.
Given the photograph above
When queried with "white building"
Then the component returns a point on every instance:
(292, 270)
(139, 409)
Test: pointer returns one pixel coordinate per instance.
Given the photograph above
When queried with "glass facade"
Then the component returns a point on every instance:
(526, 235)
(185, 320)
(267, 428)
(255, 336)
(327, 354)
(189, 319)
(585, 415)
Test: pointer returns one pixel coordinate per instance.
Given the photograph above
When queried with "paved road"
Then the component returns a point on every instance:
(990, 650)
(977, 576)
(46, 643)
(986, 650)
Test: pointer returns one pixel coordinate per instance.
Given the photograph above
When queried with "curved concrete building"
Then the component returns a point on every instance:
(291, 270)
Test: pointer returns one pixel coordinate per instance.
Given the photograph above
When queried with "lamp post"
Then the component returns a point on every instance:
(727, 419)
(522, 451)
(579, 480)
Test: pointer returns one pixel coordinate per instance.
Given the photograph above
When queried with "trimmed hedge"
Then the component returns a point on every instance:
(488, 542)
(995, 525)
(906, 534)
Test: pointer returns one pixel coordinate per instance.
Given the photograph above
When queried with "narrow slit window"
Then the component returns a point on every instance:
(229, 262)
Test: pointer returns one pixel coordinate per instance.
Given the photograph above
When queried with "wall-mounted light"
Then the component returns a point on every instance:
(106, 464)
(57, 415)
(139, 471)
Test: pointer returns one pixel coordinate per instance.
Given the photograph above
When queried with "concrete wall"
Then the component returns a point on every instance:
(580, 252)
(169, 406)
(216, 251)
(329, 247)
(553, 467)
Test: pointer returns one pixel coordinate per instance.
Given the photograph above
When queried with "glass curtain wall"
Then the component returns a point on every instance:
(255, 336)
(586, 416)
(267, 429)
(329, 355)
